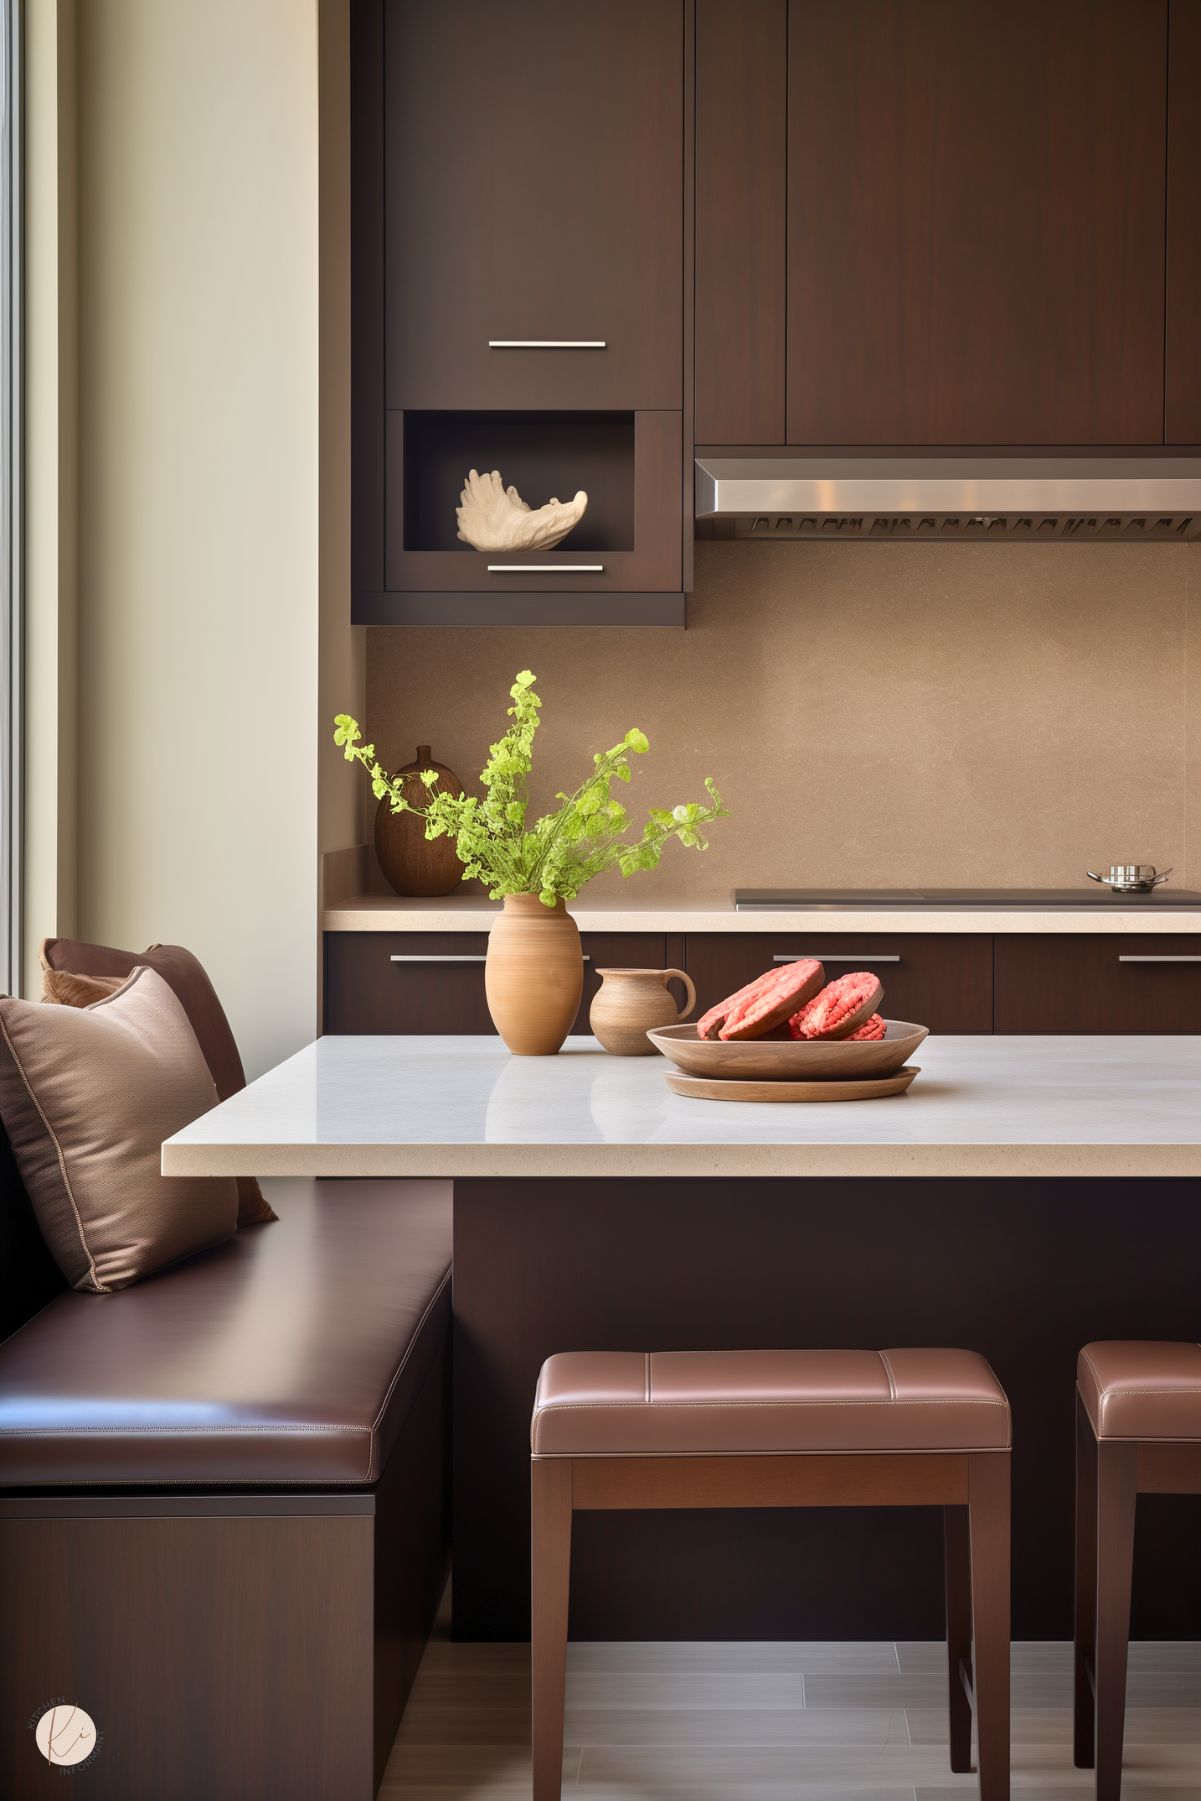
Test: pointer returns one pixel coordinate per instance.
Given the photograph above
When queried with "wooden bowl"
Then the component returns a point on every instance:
(786, 1059)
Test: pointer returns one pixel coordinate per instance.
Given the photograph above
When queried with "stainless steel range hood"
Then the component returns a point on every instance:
(1015, 499)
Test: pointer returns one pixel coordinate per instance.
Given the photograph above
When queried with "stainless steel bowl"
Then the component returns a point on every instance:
(1130, 878)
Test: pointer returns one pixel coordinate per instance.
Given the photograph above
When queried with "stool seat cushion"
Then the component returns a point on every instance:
(1135, 1388)
(697, 1403)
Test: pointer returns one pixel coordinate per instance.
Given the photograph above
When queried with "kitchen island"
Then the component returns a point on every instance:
(1026, 1195)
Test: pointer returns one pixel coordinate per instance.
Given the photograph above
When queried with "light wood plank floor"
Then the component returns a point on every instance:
(774, 1722)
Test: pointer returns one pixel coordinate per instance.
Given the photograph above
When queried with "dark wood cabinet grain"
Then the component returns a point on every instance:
(433, 982)
(741, 229)
(976, 222)
(941, 982)
(217, 1657)
(367, 297)
(534, 190)
(1024, 1270)
(1183, 357)
(425, 982)
(1099, 983)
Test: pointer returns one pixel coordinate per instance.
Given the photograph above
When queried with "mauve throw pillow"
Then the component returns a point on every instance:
(87, 1096)
(189, 981)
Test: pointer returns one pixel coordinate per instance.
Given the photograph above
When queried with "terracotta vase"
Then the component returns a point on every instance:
(411, 862)
(630, 1002)
(534, 975)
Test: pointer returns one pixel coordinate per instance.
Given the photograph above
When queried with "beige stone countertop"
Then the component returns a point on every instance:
(443, 1106)
(391, 913)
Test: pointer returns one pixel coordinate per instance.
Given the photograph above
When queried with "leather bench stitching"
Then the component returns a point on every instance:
(545, 1407)
(62, 1162)
(416, 1334)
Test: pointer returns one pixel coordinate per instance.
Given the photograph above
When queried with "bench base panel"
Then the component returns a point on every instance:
(256, 1647)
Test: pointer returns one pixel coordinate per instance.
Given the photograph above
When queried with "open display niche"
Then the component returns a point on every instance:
(627, 550)
(540, 454)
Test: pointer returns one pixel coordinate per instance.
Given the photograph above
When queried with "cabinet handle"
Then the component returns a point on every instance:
(1122, 959)
(545, 568)
(546, 344)
(465, 959)
(480, 958)
(788, 957)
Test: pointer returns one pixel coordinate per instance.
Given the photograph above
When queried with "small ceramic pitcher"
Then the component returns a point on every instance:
(629, 1002)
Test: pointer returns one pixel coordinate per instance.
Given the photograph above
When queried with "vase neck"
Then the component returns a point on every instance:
(529, 904)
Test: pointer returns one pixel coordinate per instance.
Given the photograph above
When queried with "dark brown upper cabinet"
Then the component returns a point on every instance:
(533, 199)
(947, 225)
(976, 202)
(741, 220)
(1184, 224)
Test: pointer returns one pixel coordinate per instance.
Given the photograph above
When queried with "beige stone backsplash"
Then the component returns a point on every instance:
(875, 715)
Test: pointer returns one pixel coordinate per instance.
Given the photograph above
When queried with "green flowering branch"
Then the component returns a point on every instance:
(563, 850)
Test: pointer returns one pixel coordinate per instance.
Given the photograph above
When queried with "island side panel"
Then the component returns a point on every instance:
(1025, 1271)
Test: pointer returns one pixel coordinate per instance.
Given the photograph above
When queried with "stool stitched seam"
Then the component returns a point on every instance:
(549, 1407)
(648, 1378)
(892, 1386)
(1113, 1394)
(864, 1401)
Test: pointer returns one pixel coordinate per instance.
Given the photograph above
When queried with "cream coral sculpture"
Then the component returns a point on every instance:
(493, 517)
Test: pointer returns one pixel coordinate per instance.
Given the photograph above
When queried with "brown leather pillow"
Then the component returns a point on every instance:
(188, 979)
(87, 1095)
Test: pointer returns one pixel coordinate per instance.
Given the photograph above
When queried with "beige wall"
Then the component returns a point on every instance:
(873, 714)
(198, 464)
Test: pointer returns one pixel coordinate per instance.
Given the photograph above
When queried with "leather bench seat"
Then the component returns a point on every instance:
(1141, 1389)
(288, 1355)
(693, 1403)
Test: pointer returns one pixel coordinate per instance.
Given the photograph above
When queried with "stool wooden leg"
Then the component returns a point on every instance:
(550, 1563)
(958, 1562)
(988, 1525)
(1084, 1751)
(1117, 1489)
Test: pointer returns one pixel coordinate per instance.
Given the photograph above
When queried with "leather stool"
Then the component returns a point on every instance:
(1138, 1431)
(907, 1428)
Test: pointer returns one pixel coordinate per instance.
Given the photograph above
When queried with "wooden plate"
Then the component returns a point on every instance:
(786, 1059)
(871, 1088)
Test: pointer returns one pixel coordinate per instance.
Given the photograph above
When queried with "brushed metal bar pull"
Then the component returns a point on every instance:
(788, 957)
(463, 959)
(1168, 959)
(547, 344)
(545, 568)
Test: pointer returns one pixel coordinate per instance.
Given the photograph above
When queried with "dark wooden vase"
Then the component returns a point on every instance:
(411, 862)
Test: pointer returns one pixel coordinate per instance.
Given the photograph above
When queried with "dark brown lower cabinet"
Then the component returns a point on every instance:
(940, 981)
(1098, 983)
(430, 982)
(953, 982)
